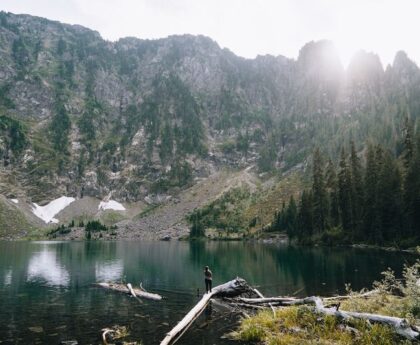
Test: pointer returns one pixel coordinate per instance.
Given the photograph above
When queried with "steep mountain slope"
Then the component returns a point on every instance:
(142, 119)
(16, 220)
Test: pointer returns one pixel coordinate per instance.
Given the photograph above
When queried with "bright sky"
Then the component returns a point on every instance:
(249, 27)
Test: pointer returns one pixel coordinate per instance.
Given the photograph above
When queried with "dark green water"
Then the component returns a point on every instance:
(50, 284)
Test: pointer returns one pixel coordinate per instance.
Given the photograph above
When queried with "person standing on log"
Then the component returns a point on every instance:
(208, 278)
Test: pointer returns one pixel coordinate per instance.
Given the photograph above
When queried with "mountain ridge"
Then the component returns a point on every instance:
(82, 116)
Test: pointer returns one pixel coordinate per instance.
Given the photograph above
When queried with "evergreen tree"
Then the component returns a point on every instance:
(357, 196)
(320, 201)
(166, 146)
(408, 142)
(344, 193)
(412, 194)
(305, 216)
(197, 228)
(372, 220)
(290, 219)
(333, 195)
(60, 128)
(389, 198)
(20, 55)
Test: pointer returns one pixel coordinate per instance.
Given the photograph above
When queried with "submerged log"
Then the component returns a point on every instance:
(230, 289)
(130, 290)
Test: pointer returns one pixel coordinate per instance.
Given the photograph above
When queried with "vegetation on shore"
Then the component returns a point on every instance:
(300, 325)
(92, 229)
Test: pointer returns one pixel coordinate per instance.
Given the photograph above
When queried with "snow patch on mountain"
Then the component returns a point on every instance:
(47, 212)
(111, 205)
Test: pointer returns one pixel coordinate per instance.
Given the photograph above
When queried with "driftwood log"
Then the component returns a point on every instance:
(284, 301)
(230, 289)
(128, 289)
(400, 325)
(270, 304)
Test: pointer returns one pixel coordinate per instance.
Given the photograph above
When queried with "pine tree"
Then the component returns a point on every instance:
(344, 193)
(320, 201)
(166, 146)
(356, 192)
(305, 216)
(197, 228)
(412, 194)
(60, 128)
(371, 220)
(290, 218)
(389, 198)
(408, 142)
(333, 195)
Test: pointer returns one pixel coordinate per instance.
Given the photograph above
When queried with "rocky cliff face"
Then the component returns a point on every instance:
(83, 116)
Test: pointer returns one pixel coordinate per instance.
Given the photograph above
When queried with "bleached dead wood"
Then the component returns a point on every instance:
(130, 288)
(401, 326)
(267, 300)
(125, 289)
(362, 295)
(104, 334)
(249, 306)
(230, 289)
(270, 304)
(280, 299)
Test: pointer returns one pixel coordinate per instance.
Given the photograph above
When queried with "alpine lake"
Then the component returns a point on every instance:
(48, 293)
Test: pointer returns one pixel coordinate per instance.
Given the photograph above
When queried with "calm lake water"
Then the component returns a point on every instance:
(47, 291)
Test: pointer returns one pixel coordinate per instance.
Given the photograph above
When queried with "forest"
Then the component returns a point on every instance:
(368, 197)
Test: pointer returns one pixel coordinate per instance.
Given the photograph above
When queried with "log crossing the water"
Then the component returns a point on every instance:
(231, 289)
(130, 290)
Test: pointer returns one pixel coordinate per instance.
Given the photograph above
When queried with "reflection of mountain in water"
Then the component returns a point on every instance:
(8, 277)
(44, 266)
(109, 271)
(33, 274)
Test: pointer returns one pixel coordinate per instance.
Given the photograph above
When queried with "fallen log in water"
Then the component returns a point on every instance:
(267, 300)
(230, 289)
(280, 300)
(130, 290)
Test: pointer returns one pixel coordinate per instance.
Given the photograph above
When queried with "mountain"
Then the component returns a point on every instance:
(143, 120)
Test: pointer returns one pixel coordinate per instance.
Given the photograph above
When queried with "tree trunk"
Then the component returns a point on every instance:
(401, 326)
(133, 291)
(230, 289)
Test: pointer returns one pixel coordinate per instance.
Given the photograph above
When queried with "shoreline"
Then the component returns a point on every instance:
(278, 239)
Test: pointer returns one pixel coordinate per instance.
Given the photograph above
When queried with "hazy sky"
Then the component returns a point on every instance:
(248, 27)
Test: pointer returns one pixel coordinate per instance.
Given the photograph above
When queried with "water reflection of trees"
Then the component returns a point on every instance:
(284, 270)
(178, 265)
